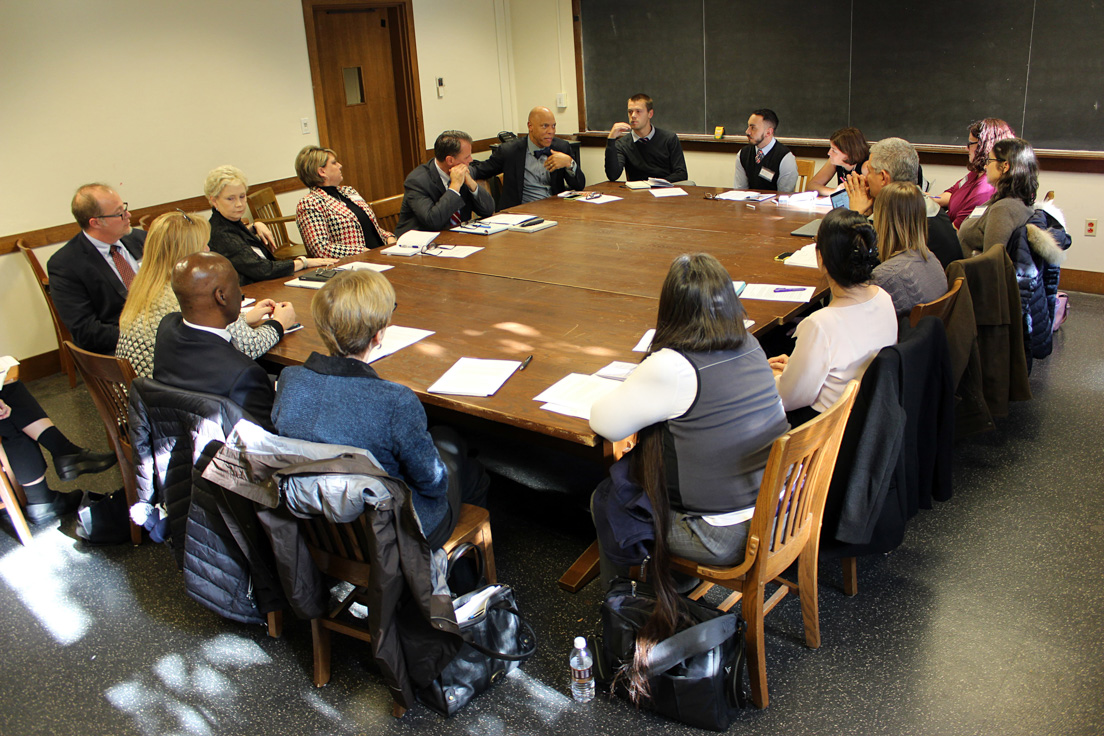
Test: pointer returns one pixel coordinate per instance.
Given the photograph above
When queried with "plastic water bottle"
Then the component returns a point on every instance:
(582, 672)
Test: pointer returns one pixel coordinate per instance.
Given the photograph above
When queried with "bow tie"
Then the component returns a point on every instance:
(547, 150)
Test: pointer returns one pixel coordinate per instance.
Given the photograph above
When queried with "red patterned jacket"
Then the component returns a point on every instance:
(329, 228)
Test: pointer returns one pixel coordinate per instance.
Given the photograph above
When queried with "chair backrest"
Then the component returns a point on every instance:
(795, 483)
(805, 168)
(340, 550)
(940, 308)
(263, 206)
(61, 332)
(108, 379)
(387, 212)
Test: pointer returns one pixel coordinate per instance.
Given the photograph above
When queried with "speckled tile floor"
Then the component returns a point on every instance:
(986, 620)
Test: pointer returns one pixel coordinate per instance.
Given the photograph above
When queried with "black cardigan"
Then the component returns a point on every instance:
(236, 242)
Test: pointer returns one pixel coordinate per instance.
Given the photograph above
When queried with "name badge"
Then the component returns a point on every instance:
(979, 211)
(765, 173)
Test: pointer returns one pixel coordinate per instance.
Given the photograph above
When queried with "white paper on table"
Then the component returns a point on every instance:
(396, 338)
(480, 228)
(507, 219)
(363, 266)
(644, 184)
(451, 251)
(824, 201)
(7, 362)
(669, 192)
(601, 199)
(474, 377)
(298, 282)
(246, 301)
(618, 370)
(576, 392)
(582, 412)
(739, 195)
(771, 293)
(804, 256)
(417, 238)
(809, 196)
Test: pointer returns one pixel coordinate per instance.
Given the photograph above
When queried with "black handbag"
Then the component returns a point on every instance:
(103, 518)
(696, 676)
(467, 570)
(496, 641)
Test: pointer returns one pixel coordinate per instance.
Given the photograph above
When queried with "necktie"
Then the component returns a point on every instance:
(758, 155)
(126, 273)
(547, 150)
(455, 219)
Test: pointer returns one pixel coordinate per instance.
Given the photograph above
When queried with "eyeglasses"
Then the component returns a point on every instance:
(124, 213)
(992, 160)
(971, 144)
(186, 218)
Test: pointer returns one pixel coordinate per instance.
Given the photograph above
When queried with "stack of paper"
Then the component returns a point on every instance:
(362, 266)
(618, 370)
(575, 393)
(809, 196)
(481, 227)
(805, 256)
(417, 238)
(475, 377)
(739, 195)
(670, 192)
(451, 251)
(396, 338)
(639, 184)
(507, 219)
(600, 199)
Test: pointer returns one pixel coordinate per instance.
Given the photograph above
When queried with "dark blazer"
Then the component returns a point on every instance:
(427, 205)
(509, 160)
(234, 241)
(196, 360)
(87, 294)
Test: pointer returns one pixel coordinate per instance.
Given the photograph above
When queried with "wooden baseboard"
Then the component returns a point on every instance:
(39, 366)
(1091, 282)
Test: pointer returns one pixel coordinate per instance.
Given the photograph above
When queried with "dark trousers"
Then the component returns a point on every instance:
(467, 481)
(23, 453)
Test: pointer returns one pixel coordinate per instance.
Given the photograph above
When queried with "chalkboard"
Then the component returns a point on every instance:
(919, 70)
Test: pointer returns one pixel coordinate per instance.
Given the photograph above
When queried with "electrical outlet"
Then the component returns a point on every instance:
(440, 87)
(1090, 228)
(561, 100)
(304, 126)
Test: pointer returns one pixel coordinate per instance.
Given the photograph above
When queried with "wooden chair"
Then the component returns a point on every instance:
(806, 167)
(145, 220)
(61, 332)
(785, 527)
(940, 308)
(12, 499)
(341, 551)
(108, 379)
(264, 208)
(387, 212)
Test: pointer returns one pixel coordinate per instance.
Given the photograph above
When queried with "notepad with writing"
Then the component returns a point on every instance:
(474, 377)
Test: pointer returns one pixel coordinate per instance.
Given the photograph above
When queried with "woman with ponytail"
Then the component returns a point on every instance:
(835, 345)
(705, 409)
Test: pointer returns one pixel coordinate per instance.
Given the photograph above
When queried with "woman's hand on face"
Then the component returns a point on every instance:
(858, 193)
(265, 235)
(260, 312)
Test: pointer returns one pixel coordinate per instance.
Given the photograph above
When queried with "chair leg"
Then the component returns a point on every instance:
(807, 591)
(756, 651)
(15, 512)
(850, 575)
(486, 543)
(321, 636)
(582, 571)
(275, 624)
(68, 366)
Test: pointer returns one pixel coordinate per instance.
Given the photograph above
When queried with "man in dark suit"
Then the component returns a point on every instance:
(91, 274)
(441, 193)
(537, 166)
(193, 349)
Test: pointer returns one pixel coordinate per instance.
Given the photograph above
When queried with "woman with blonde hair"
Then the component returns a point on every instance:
(908, 271)
(334, 221)
(247, 246)
(172, 236)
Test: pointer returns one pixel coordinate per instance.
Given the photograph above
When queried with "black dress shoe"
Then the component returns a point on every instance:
(69, 467)
(65, 503)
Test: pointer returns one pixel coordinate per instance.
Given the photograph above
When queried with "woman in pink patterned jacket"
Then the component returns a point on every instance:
(334, 221)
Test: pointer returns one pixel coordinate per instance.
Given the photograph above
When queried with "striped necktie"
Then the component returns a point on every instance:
(126, 273)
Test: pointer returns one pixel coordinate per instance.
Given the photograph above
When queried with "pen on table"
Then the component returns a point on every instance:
(525, 363)
(477, 224)
(782, 289)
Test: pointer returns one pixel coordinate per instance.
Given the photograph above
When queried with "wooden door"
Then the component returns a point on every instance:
(361, 60)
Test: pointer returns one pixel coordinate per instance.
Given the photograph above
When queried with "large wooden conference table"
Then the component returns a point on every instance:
(575, 296)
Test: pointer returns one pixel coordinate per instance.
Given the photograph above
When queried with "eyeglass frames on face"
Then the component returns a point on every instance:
(124, 213)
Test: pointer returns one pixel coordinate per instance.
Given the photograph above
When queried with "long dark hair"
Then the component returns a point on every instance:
(848, 246)
(1022, 178)
(698, 311)
(988, 132)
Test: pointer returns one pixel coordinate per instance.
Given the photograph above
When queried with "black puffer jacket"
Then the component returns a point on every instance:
(1037, 250)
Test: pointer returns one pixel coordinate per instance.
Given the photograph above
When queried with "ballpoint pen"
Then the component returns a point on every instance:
(782, 289)
(525, 363)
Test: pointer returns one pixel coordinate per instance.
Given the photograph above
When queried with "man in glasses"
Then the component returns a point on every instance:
(91, 274)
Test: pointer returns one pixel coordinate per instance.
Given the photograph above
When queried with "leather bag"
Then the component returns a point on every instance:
(696, 676)
(497, 640)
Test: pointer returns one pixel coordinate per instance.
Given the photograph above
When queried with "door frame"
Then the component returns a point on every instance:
(408, 95)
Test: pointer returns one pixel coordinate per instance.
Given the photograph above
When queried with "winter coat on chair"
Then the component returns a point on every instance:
(1037, 250)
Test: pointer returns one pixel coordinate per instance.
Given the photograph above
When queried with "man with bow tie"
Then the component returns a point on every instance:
(648, 152)
(537, 166)
(765, 163)
(91, 275)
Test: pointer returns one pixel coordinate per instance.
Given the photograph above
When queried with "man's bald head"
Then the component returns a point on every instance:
(206, 285)
(542, 126)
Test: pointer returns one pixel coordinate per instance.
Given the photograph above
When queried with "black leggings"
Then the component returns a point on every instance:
(467, 481)
(23, 453)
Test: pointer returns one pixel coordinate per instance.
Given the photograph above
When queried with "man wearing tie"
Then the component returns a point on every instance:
(765, 163)
(91, 274)
(441, 193)
(537, 166)
(648, 152)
